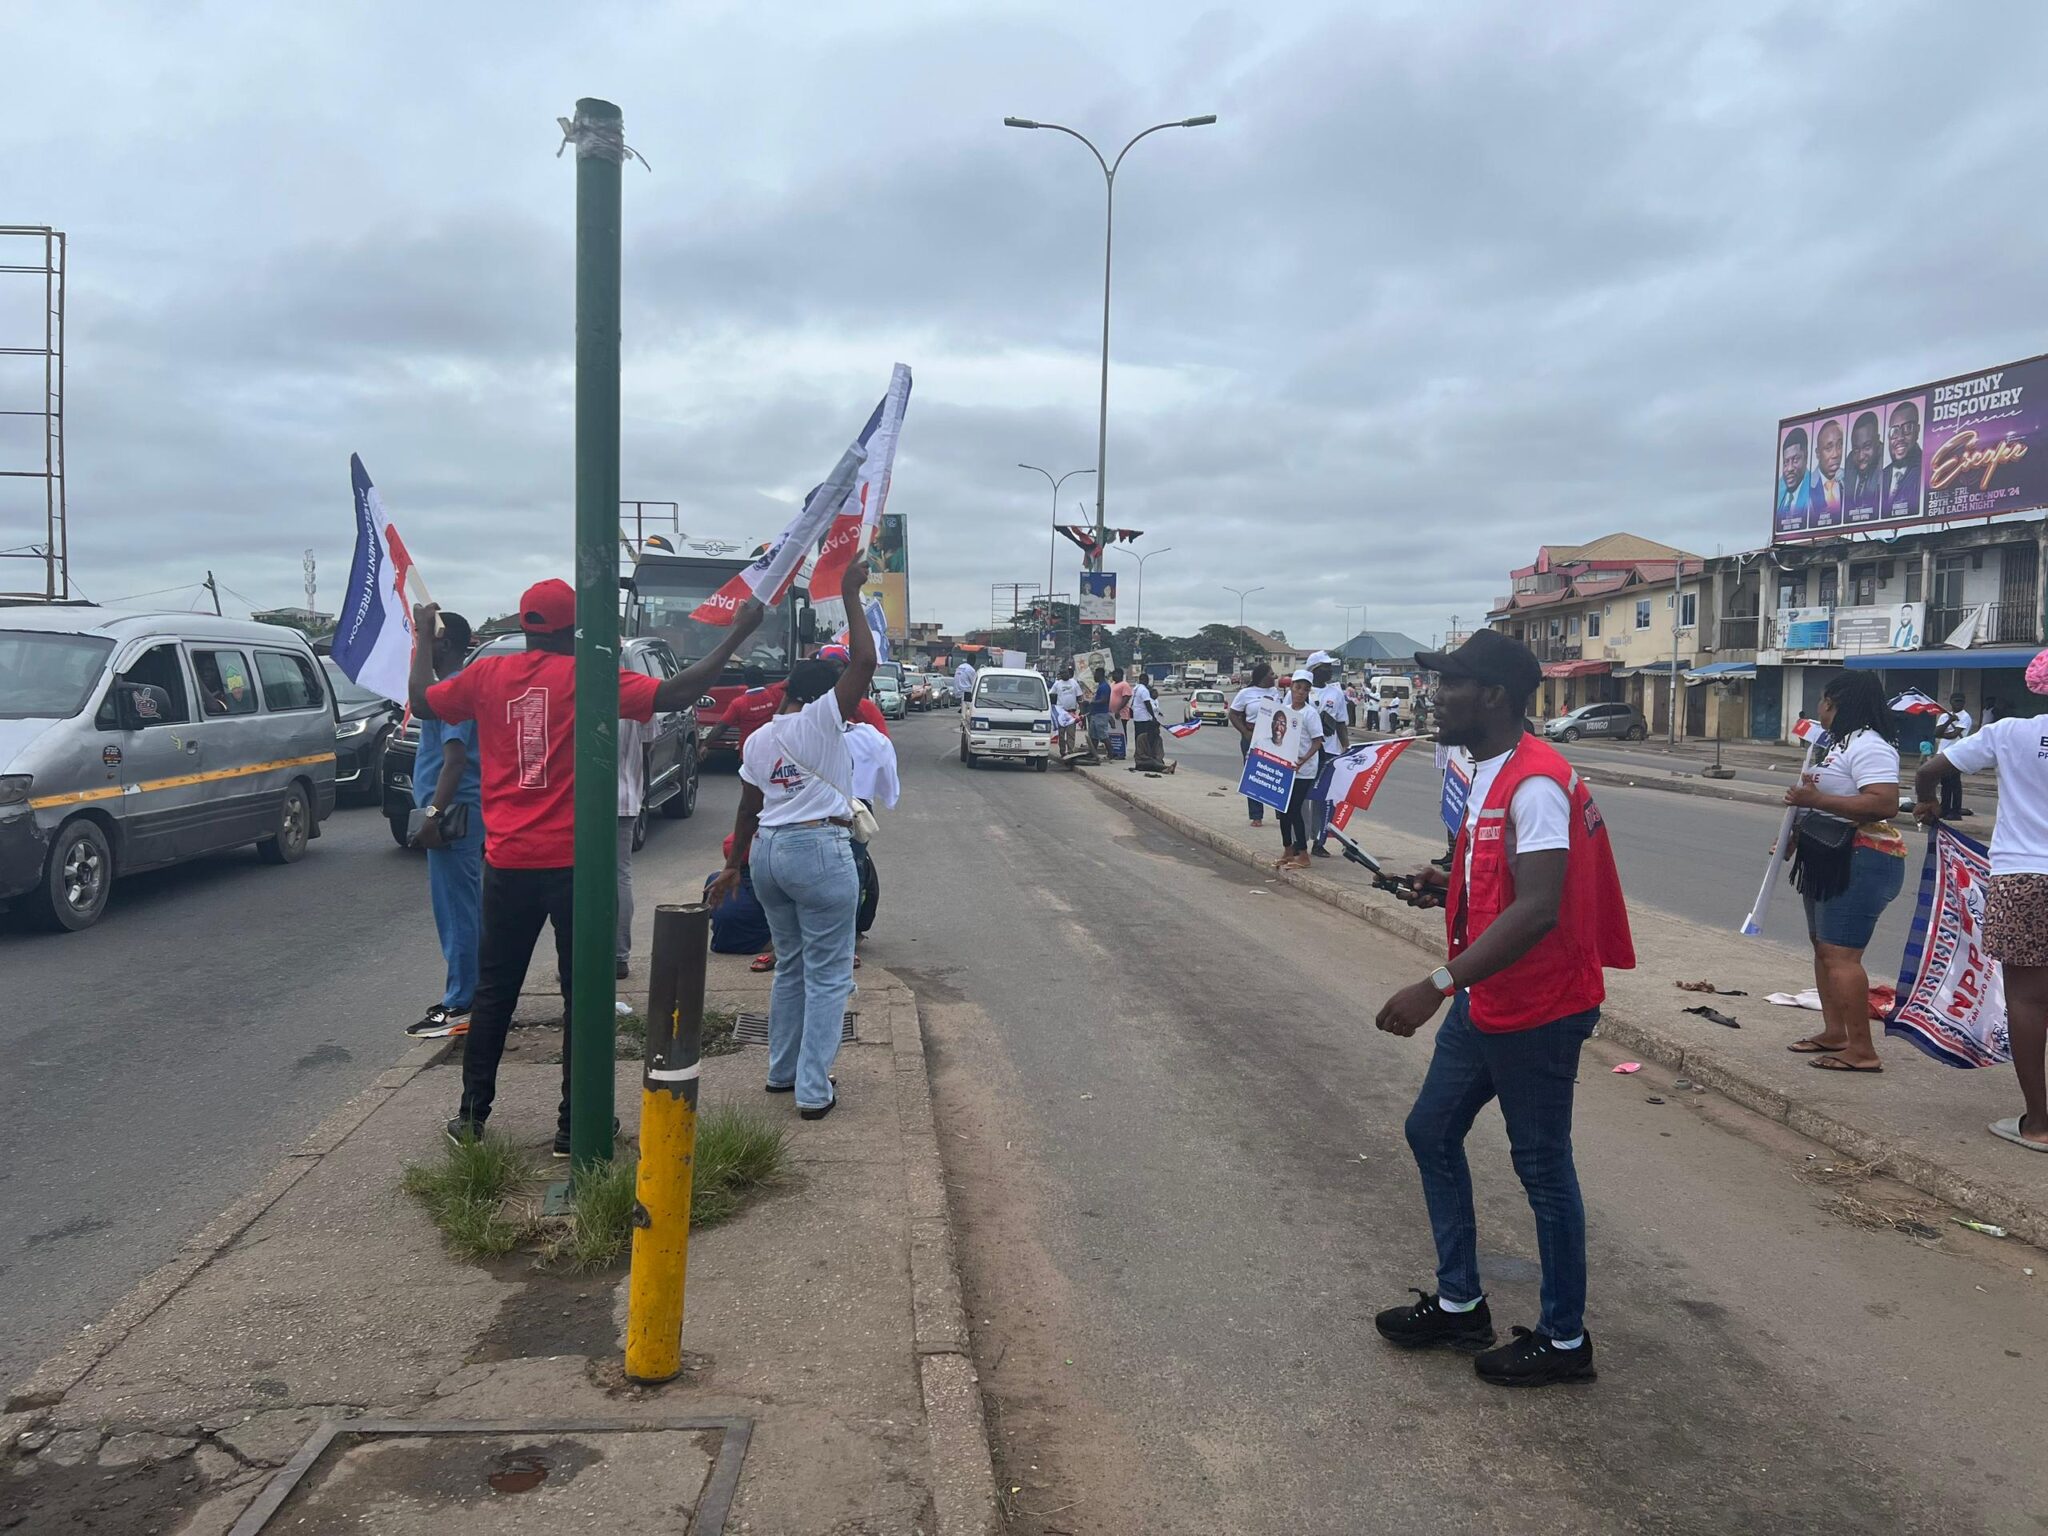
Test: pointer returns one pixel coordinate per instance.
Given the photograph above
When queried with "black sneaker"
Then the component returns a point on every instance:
(1532, 1360)
(461, 1132)
(438, 1022)
(1320, 852)
(620, 970)
(1426, 1325)
(561, 1146)
(820, 1112)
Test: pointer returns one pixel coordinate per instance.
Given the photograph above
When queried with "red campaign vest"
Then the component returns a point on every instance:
(1561, 975)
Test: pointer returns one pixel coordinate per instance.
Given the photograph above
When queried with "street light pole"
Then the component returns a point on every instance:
(1138, 651)
(1109, 170)
(1242, 594)
(1054, 549)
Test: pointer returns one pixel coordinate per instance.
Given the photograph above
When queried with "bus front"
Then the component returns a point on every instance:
(668, 589)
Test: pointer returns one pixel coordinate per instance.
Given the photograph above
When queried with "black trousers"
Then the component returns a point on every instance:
(1256, 807)
(1951, 794)
(518, 903)
(1293, 820)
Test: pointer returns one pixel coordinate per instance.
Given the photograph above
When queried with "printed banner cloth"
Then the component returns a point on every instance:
(1951, 999)
(1350, 779)
(853, 526)
(373, 636)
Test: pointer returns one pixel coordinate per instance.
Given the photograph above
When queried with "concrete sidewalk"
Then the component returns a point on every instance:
(316, 1361)
(1919, 1121)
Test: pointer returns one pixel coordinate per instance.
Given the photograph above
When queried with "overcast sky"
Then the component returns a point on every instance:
(1444, 283)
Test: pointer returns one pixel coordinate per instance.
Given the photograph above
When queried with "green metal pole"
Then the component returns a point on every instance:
(598, 134)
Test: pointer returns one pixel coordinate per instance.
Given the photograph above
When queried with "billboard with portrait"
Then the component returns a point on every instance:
(1969, 446)
(889, 565)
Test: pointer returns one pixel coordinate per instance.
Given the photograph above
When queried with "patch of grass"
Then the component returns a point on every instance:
(601, 1227)
(741, 1153)
(467, 1191)
(629, 1038)
(718, 1027)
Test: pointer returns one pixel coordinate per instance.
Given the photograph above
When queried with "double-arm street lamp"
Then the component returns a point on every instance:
(1242, 594)
(1109, 170)
(1055, 549)
(1138, 649)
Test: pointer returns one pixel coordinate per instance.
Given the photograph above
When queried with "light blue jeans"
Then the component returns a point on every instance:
(810, 891)
(455, 882)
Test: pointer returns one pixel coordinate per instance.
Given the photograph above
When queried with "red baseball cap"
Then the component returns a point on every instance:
(547, 606)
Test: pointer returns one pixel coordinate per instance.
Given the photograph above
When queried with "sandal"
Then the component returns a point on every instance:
(2009, 1130)
(1811, 1046)
(763, 963)
(1837, 1064)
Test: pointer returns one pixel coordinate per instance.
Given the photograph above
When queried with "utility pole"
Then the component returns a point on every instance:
(598, 134)
(213, 591)
(1671, 725)
(312, 585)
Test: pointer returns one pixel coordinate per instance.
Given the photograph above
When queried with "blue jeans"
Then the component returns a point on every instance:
(810, 892)
(455, 881)
(1531, 1072)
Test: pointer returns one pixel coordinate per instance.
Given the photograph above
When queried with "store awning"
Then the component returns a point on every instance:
(1722, 672)
(1573, 668)
(1656, 668)
(1941, 661)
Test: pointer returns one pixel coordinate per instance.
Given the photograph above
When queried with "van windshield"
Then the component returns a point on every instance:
(48, 677)
(1011, 693)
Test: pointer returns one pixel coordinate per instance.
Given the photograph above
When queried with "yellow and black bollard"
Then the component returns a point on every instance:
(668, 1143)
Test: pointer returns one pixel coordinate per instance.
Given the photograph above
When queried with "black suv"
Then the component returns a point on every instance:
(670, 768)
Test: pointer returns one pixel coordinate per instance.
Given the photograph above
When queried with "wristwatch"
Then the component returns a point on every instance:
(432, 813)
(1440, 978)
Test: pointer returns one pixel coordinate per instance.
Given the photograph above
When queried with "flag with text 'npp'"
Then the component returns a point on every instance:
(373, 634)
(1350, 779)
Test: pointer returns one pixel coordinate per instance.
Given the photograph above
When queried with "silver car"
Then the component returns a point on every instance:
(130, 741)
(1620, 722)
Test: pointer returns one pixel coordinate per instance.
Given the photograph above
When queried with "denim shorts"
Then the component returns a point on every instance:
(1848, 920)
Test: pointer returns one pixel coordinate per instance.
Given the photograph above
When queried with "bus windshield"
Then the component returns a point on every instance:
(669, 594)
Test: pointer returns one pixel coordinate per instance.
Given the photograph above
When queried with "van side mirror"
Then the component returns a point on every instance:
(140, 705)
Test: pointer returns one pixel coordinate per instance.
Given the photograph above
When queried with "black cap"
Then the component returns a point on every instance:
(1488, 656)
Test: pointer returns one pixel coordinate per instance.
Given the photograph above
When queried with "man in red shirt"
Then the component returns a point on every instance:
(524, 706)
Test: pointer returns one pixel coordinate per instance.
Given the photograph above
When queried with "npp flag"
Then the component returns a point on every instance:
(853, 524)
(878, 626)
(373, 635)
(1350, 779)
(1185, 728)
(1951, 998)
(1812, 733)
(775, 567)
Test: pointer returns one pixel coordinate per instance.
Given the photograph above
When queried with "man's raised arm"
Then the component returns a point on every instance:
(688, 685)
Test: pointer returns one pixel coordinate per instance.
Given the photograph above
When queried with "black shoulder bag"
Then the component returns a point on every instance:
(1822, 846)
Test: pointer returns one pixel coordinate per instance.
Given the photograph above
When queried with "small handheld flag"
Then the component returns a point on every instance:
(1350, 779)
(1185, 729)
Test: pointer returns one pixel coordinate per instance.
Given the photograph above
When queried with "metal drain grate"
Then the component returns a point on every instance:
(752, 1029)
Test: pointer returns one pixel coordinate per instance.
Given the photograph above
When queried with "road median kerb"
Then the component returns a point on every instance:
(956, 1424)
(50, 1381)
(2023, 1217)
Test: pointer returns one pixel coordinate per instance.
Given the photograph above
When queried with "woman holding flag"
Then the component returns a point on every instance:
(1849, 861)
(1295, 729)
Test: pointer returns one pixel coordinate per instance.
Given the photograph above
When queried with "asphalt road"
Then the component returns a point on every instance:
(163, 1062)
(1696, 856)
(1174, 1147)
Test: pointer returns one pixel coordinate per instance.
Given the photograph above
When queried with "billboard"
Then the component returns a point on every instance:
(1956, 448)
(1098, 597)
(889, 563)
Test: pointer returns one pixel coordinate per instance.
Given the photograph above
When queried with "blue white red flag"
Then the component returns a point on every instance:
(373, 635)
(775, 567)
(1185, 728)
(1350, 779)
(1951, 998)
(1812, 733)
(853, 525)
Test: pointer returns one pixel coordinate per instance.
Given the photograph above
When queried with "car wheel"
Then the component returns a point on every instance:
(287, 845)
(78, 877)
(1038, 763)
(640, 830)
(1570, 733)
(684, 805)
(398, 825)
(1636, 733)
(372, 780)
(966, 756)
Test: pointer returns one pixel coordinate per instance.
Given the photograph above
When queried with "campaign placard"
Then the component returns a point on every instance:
(1266, 779)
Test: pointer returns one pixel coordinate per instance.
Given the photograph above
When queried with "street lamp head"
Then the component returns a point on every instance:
(1187, 122)
(1025, 122)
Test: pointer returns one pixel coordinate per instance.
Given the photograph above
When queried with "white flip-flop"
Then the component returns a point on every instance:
(2009, 1130)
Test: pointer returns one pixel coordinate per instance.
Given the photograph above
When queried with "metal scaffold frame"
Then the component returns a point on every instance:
(53, 549)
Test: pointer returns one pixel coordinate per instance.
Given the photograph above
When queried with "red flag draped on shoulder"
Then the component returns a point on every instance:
(853, 527)
(776, 566)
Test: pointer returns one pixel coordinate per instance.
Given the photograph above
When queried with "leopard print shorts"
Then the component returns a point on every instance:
(2016, 919)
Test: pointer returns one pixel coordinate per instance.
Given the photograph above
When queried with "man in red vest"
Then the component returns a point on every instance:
(1534, 913)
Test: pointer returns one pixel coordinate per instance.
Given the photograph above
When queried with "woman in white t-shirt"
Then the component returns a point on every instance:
(1849, 861)
(1247, 708)
(2016, 904)
(1295, 730)
(795, 832)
